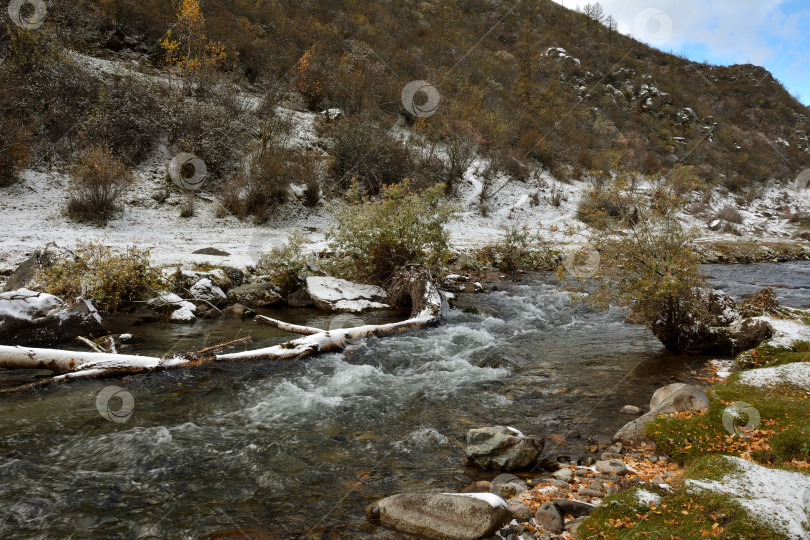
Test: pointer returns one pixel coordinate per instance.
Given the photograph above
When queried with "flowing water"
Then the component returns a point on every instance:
(297, 449)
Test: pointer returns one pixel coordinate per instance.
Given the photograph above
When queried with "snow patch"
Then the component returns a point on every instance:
(26, 304)
(489, 498)
(786, 332)
(648, 497)
(797, 374)
(772, 496)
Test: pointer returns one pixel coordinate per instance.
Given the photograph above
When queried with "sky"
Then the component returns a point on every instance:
(774, 34)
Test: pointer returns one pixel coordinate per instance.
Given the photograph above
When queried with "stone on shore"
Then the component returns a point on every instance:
(255, 295)
(441, 516)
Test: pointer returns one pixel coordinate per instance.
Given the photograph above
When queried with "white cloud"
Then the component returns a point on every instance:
(755, 31)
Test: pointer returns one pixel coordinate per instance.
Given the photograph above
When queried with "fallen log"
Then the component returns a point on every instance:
(412, 285)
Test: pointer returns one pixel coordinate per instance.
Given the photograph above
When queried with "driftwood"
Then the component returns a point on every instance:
(413, 285)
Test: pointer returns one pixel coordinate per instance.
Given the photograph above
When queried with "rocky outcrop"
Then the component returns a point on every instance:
(442, 516)
(672, 398)
(502, 448)
(333, 294)
(255, 295)
(34, 318)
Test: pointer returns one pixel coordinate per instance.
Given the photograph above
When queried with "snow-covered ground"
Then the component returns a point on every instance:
(32, 210)
(797, 374)
(778, 498)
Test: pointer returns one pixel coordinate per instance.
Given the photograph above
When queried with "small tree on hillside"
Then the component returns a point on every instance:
(187, 46)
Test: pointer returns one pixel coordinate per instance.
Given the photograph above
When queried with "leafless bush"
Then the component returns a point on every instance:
(697, 208)
(98, 180)
(730, 214)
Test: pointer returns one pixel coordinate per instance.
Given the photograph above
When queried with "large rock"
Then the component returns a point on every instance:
(679, 397)
(205, 291)
(25, 273)
(32, 318)
(672, 398)
(255, 295)
(502, 448)
(332, 294)
(442, 516)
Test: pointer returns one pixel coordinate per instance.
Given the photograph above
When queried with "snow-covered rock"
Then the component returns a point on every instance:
(35, 318)
(333, 294)
(206, 291)
(183, 315)
(26, 305)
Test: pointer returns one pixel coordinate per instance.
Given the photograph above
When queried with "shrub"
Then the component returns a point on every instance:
(373, 238)
(518, 249)
(369, 153)
(730, 214)
(262, 183)
(98, 180)
(112, 280)
(287, 264)
(600, 207)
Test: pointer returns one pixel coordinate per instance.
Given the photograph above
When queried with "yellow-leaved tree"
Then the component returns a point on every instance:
(187, 46)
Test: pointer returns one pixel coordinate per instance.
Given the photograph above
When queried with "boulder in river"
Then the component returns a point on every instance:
(333, 294)
(35, 318)
(445, 516)
(672, 398)
(255, 295)
(502, 448)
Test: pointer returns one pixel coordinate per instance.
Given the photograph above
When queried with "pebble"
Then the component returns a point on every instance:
(585, 492)
(565, 475)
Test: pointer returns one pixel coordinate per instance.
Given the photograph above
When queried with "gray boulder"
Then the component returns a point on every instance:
(443, 516)
(206, 291)
(255, 295)
(32, 318)
(502, 448)
(672, 398)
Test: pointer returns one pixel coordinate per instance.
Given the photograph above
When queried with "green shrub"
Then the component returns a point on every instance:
(374, 237)
(288, 264)
(98, 180)
(518, 249)
(111, 279)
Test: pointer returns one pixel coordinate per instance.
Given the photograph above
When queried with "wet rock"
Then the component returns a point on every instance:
(548, 517)
(507, 485)
(332, 294)
(612, 466)
(238, 311)
(482, 486)
(300, 298)
(631, 410)
(235, 276)
(574, 508)
(441, 515)
(255, 295)
(502, 448)
(519, 511)
(205, 291)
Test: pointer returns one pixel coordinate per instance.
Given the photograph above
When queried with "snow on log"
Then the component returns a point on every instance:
(412, 285)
